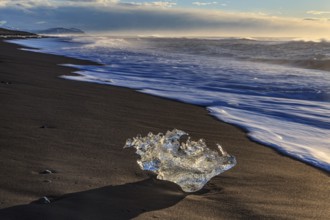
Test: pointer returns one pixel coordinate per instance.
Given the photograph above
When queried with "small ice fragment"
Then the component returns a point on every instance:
(46, 172)
(44, 200)
(190, 165)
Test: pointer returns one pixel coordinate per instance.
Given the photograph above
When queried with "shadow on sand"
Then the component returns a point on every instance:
(111, 202)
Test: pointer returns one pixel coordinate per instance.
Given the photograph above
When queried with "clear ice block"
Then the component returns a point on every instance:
(190, 165)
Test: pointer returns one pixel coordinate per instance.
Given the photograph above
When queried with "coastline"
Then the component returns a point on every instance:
(85, 127)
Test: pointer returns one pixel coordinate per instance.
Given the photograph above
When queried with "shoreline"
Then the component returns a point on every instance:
(76, 76)
(99, 120)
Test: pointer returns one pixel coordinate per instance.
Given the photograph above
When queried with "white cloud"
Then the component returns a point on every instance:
(205, 3)
(160, 4)
(26, 4)
(145, 18)
(317, 12)
(29, 4)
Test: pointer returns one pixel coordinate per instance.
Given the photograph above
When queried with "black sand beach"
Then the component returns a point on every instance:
(78, 130)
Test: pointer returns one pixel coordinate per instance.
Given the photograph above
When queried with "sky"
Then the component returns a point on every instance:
(254, 18)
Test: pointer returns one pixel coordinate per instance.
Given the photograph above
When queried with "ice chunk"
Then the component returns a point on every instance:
(190, 165)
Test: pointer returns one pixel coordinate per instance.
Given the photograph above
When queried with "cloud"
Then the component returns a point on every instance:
(311, 19)
(317, 12)
(160, 4)
(130, 18)
(204, 3)
(27, 4)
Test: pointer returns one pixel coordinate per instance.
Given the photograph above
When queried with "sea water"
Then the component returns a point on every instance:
(263, 86)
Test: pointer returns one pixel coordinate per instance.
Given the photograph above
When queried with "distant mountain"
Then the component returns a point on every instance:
(7, 32)
(60, 30)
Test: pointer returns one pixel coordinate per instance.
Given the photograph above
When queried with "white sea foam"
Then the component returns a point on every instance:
(284, 107)
(99, 41)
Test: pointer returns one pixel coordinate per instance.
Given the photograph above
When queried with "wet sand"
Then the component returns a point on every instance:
(78, 130)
